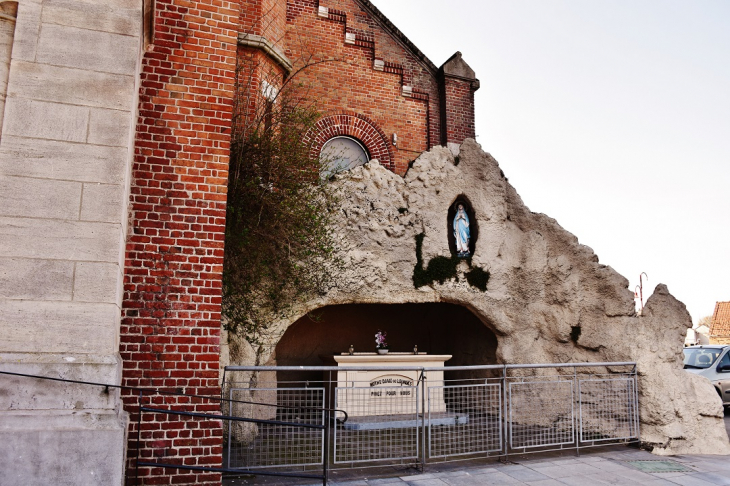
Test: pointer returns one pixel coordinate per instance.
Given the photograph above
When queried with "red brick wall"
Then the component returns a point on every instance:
(250, 17)
(343, 79)
(459, 110)
(172, 285)
(264, 17)
(275, 21)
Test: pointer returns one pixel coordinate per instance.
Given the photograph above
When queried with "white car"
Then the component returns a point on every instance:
(712, 362)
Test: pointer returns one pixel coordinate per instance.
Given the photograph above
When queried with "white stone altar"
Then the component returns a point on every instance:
(378, 393)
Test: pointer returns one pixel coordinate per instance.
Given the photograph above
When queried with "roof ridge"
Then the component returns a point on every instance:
(366, 38)
(399, 36)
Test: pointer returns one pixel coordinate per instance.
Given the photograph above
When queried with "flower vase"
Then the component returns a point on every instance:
(382, 350)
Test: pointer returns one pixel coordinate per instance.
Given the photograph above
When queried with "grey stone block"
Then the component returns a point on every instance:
(449, 474)
(713, 478)
(23, 393)
(428, 482)
(41, 119)
(87, 49)
(691, 480)
(60, 240)
(113, 17)
(60, 160)
(418, 477)
(117, 4)
(611, 466)
(525, 474)
(634, 475)
(39, 198)
(103, 202)
(73, 86)
(465, 480)
(481, 479)
(22, 278)
(7, 32)
(381, 481)
(545, 482)
(62, 449)
(110, 127)
(557, 472)
(592, 479)
(59, 327)
(27, 27)
(98, 282)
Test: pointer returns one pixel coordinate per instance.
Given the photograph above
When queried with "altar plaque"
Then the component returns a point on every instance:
(375, 392)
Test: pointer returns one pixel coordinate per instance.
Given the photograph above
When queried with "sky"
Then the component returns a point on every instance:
(612, 117)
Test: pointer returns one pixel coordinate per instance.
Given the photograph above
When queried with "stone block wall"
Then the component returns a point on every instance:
(8, 12)
(64, 176)
(172, 288)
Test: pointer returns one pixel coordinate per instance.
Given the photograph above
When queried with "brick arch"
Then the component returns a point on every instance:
(356, 126)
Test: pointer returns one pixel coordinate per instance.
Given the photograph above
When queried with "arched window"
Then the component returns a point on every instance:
(342, 153)
(356, 127)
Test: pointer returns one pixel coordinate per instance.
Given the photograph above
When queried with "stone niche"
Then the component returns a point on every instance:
(536, 293)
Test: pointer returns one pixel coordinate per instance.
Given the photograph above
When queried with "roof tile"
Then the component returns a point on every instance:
(721, 320)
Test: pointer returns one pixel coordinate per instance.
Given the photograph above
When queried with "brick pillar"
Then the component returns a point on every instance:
(170, 331)
(457, 84)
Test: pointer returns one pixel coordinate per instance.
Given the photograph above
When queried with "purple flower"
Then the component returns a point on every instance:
(380, 340)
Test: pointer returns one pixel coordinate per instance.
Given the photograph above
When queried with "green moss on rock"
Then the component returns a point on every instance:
(440, 269)
(478, 278)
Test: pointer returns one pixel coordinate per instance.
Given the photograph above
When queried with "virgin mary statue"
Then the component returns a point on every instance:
(461, 232)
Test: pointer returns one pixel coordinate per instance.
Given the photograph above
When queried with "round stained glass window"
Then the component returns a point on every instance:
(340, 154)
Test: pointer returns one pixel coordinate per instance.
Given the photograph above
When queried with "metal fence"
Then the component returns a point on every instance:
(164, 415)
(416, 415)
(276, 444)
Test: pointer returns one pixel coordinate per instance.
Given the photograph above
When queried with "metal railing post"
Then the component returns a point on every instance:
(577, 427)
(139, 429)
(635, 403)
(423, 420)
(325, 447)
(230, 424)
(505, 410)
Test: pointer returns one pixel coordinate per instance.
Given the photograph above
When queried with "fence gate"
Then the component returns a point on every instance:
(382, 424)
(464, 419)
(275, 445)
(541, 413)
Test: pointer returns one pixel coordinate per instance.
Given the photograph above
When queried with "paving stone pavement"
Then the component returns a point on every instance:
(593, 467)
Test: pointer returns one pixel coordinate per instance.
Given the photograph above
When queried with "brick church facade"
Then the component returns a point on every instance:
(372, 85)
(367, 78)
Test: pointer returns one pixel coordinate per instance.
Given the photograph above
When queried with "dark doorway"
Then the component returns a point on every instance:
(437, 328)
